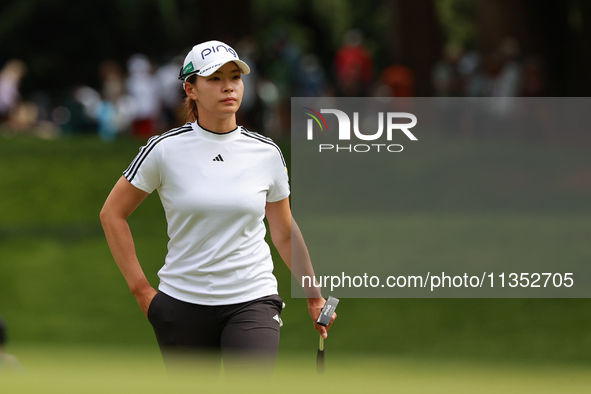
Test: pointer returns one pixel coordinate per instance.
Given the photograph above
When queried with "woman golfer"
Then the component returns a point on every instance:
(217, 181)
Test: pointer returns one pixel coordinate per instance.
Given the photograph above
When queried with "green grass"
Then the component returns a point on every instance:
(90, 370)
(59, 284)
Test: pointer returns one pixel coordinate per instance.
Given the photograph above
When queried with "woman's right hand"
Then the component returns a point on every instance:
(144, 298)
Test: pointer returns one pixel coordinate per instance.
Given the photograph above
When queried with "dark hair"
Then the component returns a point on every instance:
(2, 331)
(190, 111)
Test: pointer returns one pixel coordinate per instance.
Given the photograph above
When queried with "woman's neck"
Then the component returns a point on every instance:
(218, 125)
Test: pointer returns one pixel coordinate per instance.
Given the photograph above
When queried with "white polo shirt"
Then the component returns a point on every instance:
(214, 188)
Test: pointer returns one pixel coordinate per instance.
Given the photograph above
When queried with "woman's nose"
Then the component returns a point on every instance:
(228, 87)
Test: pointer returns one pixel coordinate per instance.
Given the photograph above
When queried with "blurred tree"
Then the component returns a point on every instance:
(63, 41)
(555, 34)
(580, 21)
(415, 38)
(458, 20)
(557, 31)
(541, 28)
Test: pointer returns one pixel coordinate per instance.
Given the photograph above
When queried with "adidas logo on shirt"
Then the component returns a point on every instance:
(218, 158)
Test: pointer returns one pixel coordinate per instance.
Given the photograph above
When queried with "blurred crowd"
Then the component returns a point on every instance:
(504, 72)
(142, 101)
(145, 98)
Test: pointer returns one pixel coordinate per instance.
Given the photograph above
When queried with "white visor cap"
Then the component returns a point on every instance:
(204, 59)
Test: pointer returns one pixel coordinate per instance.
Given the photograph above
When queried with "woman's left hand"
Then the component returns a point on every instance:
(144, 298)
(314, 307)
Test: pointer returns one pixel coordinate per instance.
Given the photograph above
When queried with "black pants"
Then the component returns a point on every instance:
(244, 335)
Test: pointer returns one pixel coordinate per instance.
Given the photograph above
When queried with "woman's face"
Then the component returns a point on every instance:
(219, 94)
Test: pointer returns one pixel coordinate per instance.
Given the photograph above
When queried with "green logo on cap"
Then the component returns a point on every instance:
(188, 68)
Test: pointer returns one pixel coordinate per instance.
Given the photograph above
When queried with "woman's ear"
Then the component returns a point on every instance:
(190, 90)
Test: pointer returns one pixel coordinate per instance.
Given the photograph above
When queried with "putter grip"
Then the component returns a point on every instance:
(320, 364)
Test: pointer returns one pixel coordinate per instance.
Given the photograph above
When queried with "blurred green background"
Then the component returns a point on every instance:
(59, 283)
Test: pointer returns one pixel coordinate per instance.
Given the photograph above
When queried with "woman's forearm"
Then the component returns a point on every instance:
(122, 248)
(289, 241)
(298, 260)
(122, 201)
(292, 248)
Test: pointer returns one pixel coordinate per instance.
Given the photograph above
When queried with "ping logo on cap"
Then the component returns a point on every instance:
(188, 68)
(213, 49)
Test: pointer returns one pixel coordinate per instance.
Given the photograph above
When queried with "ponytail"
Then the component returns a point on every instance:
(190, 110)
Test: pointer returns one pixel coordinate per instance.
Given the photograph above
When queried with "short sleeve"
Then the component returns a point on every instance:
(144, 170)
(279, 189)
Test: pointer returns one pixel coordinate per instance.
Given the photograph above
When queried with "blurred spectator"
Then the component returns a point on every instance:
(445, 75)
(23, 117)
(106, 116)
(113, 89)
(271, 115)
(112, 78)
(10, 79)
(76, 114)
(474, 78)
(534, 77)
(353, 66)
(284, 59)
(8, 363)
(172, 92)
(502, 73)
(278, 84)
(143, 87)
(90, 100)
(311, 77)
(399, 81)
(508, 82)
(249, 112)
(19, 116)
